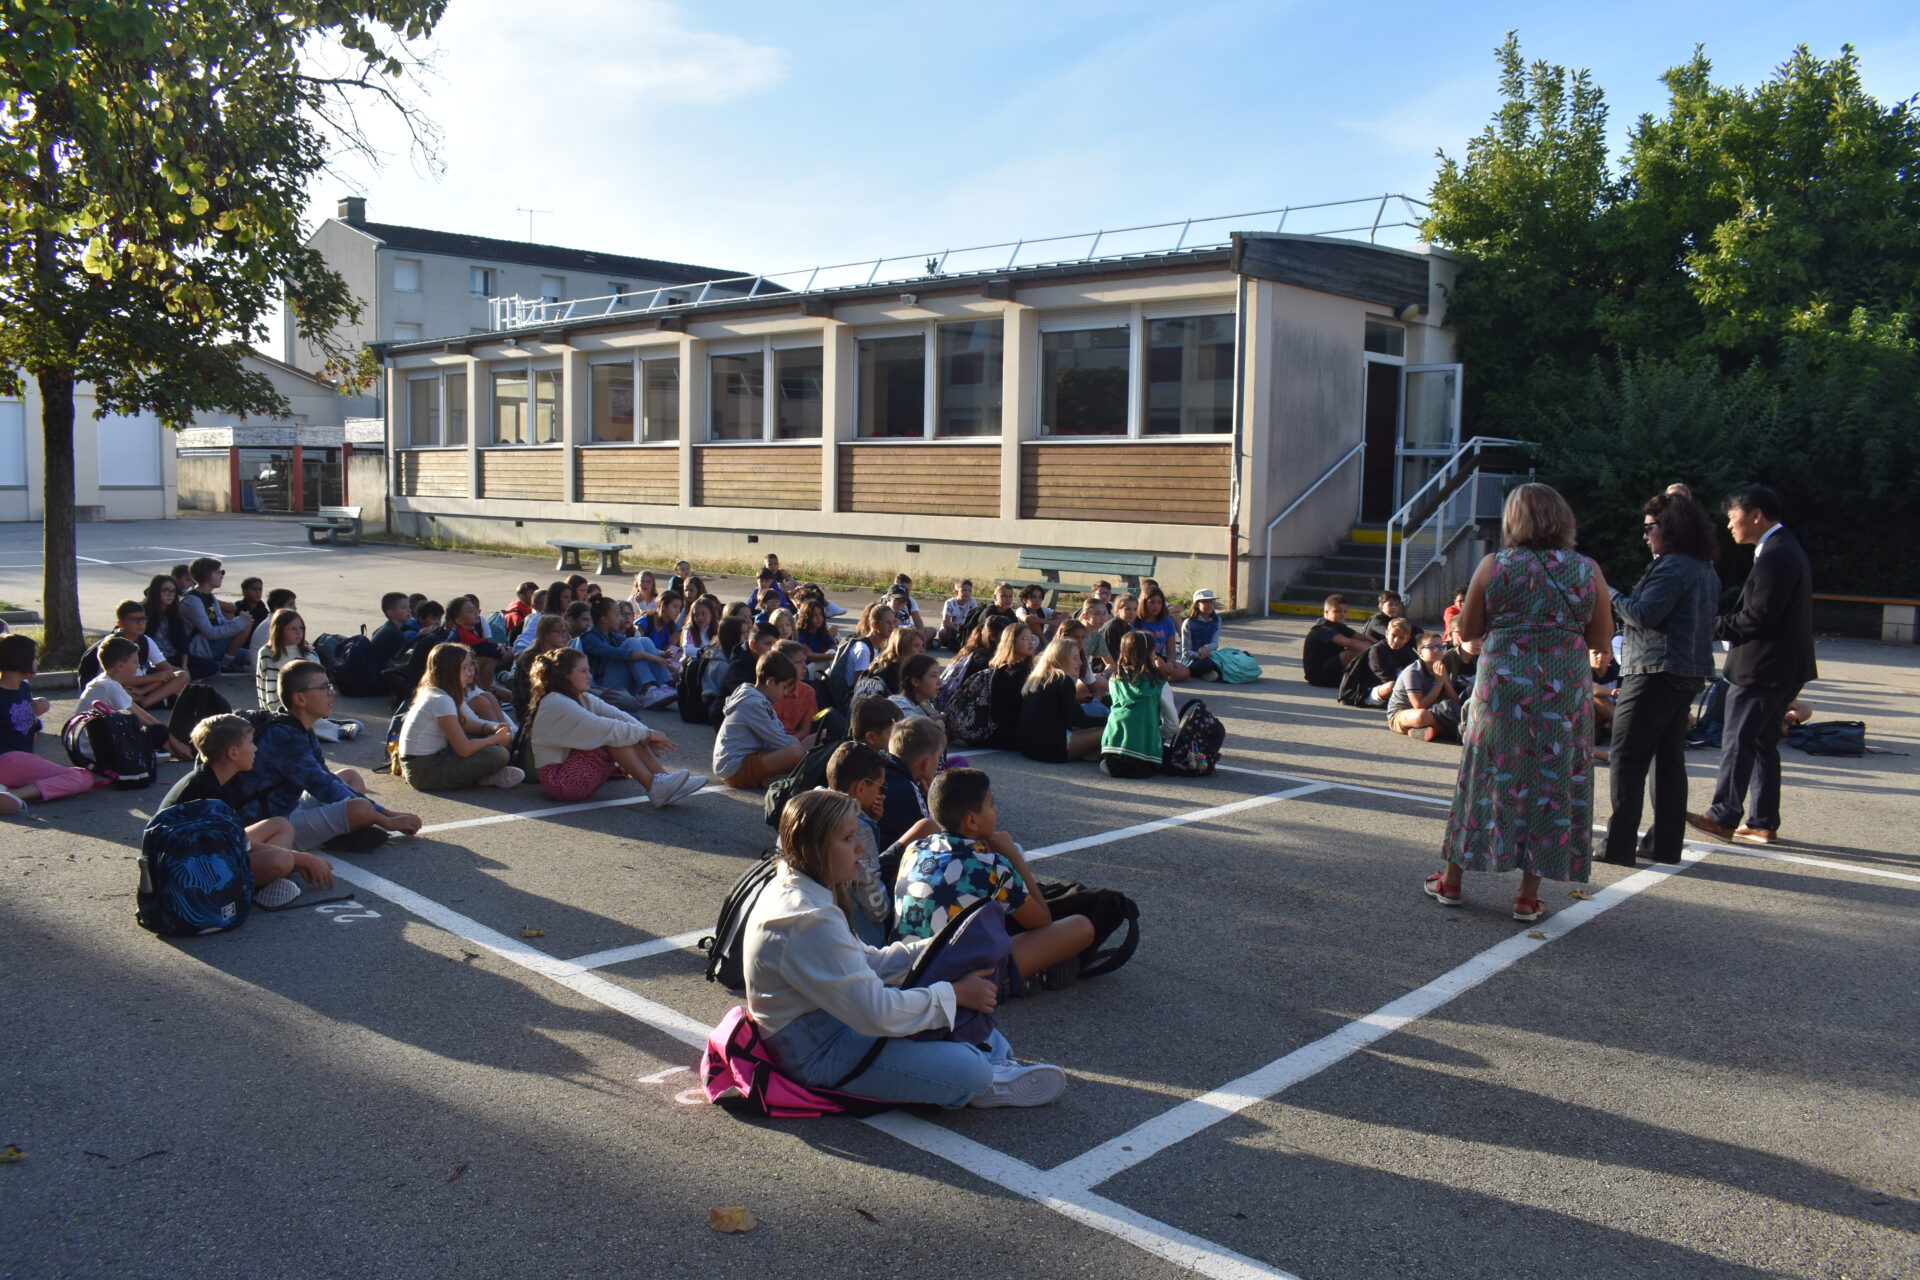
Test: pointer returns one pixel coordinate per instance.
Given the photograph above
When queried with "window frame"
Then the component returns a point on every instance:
(418, 271)
(443, 403)
(488, 280)
(530, 369)
(637, 362)
(1137, 320)
(560, 289)
(766, 348)
(930, 404)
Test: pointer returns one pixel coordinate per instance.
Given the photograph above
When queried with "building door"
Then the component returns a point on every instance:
(1429, 424)
(1379, 464)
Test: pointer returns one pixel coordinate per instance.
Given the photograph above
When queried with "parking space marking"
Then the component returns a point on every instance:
(1344, 786)
(1177, 820)
(494, 819)
(1151, 1137)
(1748, 851)
(639, 950)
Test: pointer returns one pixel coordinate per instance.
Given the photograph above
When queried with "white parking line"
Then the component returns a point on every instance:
(638, 950)
(1177, 820)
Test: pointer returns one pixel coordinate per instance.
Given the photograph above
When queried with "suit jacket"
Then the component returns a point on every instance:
(1771, 628)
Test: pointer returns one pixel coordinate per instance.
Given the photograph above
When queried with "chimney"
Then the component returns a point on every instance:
(353, 209)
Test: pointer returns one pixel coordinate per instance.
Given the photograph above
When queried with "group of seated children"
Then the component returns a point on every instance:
(1421, 679)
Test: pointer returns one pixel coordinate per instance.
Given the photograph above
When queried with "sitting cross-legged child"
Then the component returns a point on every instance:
(971, 858)
(1424, 701)
(24, 775)
(953, 616)
(856, 769)
(443, 745)
(1133, 738)
(579, 741)
(119, 663)
(1391, 607)
(1387, 659)
(753, 747)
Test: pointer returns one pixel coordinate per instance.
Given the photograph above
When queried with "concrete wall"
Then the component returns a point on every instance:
(124, 468)
(206, 481)
(351, 253)
(367, 485)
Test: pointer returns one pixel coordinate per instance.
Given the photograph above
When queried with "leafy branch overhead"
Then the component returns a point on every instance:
(1737, 297)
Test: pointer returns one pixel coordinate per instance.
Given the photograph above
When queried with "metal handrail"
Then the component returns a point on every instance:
(1266, 594)
(517, 312)
(1474, 446)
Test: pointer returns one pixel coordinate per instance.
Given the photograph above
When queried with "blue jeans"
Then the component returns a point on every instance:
(818, 1049)
(629, 676)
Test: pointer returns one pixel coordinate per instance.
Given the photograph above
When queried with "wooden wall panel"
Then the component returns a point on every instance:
(733, 475)
(1132, 483)
(921, 479)
(431, 473)
(529, 475)
(628, 475)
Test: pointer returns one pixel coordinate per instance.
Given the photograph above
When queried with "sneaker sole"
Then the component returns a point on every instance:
(1036, 1086)
(693, 786)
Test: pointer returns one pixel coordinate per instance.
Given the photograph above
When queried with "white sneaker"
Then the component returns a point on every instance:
(278, 894)
(695, 783)
(508, 776)
(1015, 1085)
(1104, 768)
(666, 787)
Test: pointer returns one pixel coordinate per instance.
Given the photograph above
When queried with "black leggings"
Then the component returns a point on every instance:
(1128, 766)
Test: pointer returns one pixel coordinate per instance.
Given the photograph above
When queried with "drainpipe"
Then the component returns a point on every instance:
(1239, 416)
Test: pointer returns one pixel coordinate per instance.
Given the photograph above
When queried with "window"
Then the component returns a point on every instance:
(1190, 376)
(404, 331)
(1084, 376)
(552, 288)
(612, 393)
(455, 412)
(738, 390)
(893, 388)
(406, 275)
(423, 412)
(618, 288)
(13, 444)
(661, 378)
(129, 451)
(797, 376)
(510, 407)
(480, 281)
(1385, 338)
(968, 387)
(546, 406)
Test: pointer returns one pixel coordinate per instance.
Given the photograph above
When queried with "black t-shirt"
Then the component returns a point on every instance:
(199, 784)
(1321, 656)
(1388, 662)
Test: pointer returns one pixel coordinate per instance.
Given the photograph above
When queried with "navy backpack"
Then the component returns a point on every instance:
(194, 873)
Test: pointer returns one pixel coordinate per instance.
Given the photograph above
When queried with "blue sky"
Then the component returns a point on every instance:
(770, 136)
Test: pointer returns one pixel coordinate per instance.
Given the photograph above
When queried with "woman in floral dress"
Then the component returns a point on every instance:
(1525, 793)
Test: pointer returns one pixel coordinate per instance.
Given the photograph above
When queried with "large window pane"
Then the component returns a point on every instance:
(612, 402)
(456, 408)
(739, 397)
(423, 411)
(1083, 382)
(662, 381)
(546, 406)
(796, 375)
(510, 408)
(969, 379)
(1190, 376)
(893, 387)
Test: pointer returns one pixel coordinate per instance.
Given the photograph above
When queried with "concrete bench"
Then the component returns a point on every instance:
(570, 553)
(1127, 566)
(1899, 619)
(333, 524)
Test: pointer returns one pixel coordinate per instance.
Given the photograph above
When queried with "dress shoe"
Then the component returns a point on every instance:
(1701, 822)
(1755, 835)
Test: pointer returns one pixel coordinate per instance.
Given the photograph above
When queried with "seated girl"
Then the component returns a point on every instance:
(661, 628)
(975, 652)
(470, 629)
(1012, 661)
(25, 776)
(782, 620)
(884, 673)
(1158, 621)
(552, 603)
(1200, 636)
(578, 741)
(549, 633)
(919, 685)
(443, 746)
(1142, 716)
(623, 664)
(646, 596)
(820, 997)
(811, 629)
(703, 620)
(1052, 726)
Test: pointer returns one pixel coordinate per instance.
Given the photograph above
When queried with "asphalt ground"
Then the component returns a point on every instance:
(1307, 1069)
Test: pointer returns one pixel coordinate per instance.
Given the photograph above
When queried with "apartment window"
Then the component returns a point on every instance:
(546, 406)
(552, 288)
(480, 281)
(1084, 379)
(737, 387)
(797, 376)
(967, 385)
(892, 387)
(661, 404)
(613, 405)
(423, 412)
(510, 407)
(1384, 338)
(406, 275)
(618, 288)
(404, 331)
(1190, 376)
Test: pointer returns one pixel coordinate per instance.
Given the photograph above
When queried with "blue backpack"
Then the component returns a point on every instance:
(194, 873)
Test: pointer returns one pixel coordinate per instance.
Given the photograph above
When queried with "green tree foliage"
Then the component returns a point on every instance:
(1737, 299)
(155, 157)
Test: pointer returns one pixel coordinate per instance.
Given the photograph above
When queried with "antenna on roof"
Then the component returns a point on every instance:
(530, 213)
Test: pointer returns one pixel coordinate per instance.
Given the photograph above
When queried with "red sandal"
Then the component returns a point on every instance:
(1527, 910)
(1436, 887)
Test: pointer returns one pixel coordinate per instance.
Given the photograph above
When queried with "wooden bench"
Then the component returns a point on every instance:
(332, 524)
(1899, 619)
(1128, 566)
(570, 553)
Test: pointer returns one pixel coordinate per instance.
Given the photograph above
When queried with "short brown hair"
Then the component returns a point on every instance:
(1399, 626)
(774, 667)
(916, 738)
(1335, 601)
(1537, 518)
(213, 737)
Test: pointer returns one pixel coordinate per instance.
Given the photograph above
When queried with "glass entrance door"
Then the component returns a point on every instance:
(1429, 424)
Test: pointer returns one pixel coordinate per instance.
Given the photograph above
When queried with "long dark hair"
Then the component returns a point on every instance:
(1684, 527)
(164, 622)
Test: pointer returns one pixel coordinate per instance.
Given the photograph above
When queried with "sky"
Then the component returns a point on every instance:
(767, 137)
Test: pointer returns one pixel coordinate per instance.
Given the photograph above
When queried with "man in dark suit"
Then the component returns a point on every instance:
(1770, 657)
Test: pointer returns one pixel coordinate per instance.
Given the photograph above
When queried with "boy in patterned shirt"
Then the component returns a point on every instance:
(971, 858)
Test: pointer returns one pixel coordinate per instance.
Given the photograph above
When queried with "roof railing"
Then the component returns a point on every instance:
(984, 259)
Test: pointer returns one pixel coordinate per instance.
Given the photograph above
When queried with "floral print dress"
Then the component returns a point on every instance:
(1524, 798)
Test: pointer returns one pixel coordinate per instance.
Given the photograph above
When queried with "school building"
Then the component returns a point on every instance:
(1177, 402)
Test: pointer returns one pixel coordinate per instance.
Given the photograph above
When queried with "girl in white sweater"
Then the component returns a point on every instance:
(579, 742)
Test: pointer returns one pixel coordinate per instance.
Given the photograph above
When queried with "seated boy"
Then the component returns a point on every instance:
(1033, 611)
(1002, 604)
(798, 709)
(1424, 700)
(914, 748)
(871, 721)
(905, 610)
(522, 608)
(154, 679)
(856, 769)
(391, 636)
(953, 614)
(1388, 659)
(752, 746)
(120, 662)
(1331, 645)
(971, 858)
(290, 778)
(226, 748)
(743, 660)
(1391, 607)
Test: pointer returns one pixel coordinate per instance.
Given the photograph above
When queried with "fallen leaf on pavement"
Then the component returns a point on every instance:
(457, 1171)
(1537, 933)
(863, 1213)
(528, 931)
(11, 1154)
(732, 1221)
(1581, 894)
(469, 955)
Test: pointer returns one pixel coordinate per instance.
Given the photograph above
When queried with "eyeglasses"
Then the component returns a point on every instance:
(1648, 528)
(318, 688)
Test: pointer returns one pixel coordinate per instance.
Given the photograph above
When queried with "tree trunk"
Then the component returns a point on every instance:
(60, 597)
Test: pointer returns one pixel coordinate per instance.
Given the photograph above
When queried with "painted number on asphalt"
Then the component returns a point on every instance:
(341, 912)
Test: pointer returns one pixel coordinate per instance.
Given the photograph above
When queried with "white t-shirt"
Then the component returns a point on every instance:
(150, 655)
(420, 732)
(104, 688)
(955, 611)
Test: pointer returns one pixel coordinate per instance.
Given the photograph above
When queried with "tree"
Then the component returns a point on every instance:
(155, 158)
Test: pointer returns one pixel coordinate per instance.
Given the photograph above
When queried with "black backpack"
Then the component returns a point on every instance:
(725, 946)
(809, 774)
(1356, 682)
(402, 676)
(689, 693)
(352, 668)
(836, 682)
(195, 876)
(118, 748)
(1195, 748)
(198, 701)
(968, 710)
(1110, 911)
(1830, 737)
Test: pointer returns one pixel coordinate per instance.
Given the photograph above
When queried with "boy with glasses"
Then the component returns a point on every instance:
(1423, 700)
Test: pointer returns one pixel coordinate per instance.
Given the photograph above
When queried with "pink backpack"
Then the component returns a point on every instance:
(737, 1060)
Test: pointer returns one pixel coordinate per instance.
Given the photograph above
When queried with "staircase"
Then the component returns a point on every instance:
(1353, 569)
